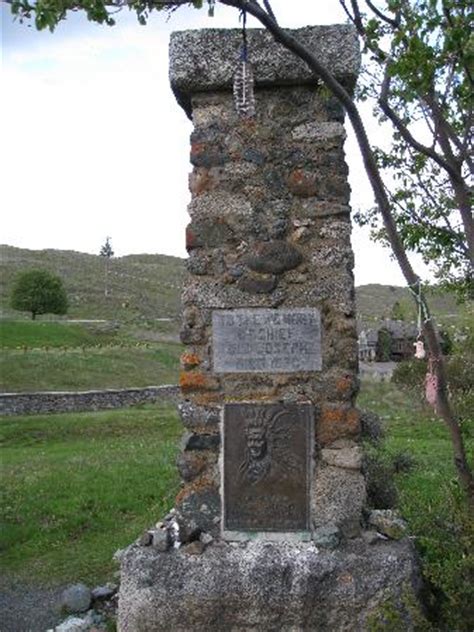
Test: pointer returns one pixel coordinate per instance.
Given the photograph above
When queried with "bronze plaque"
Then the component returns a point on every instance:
(266, 340)
(267, 466)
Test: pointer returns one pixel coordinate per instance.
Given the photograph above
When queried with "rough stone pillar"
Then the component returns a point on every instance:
(270, 228)
(271, 454)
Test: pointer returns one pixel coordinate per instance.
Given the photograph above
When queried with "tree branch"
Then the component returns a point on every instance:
(393, 22)
(267, 5)
(465, 64)
(405, 132)
(448, 131)
(455, 237)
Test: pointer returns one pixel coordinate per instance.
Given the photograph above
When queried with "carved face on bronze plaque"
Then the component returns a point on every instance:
(267, 466)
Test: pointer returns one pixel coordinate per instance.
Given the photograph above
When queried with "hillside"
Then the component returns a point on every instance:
(147, 287)
(376, 301)
(140, 286)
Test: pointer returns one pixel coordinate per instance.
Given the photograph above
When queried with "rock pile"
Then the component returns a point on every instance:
(88, 610)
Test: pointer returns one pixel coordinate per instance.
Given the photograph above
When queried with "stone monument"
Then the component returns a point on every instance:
(268, 524)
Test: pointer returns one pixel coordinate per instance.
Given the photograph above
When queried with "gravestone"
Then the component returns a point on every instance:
(271, 461)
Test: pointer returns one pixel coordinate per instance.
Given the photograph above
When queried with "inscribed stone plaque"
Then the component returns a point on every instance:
(267, 466)
(266, 340)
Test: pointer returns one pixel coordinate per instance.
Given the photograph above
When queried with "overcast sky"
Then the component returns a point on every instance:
(94, 144)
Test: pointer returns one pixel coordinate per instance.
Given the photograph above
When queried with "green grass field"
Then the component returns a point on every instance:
(44, 356)
(77, 487)
(89, 369)
(430, 498)
(36, 334)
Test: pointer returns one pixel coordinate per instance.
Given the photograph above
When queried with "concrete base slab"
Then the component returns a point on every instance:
(269, 586)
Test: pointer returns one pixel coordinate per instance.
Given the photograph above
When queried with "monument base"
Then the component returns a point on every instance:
(268, 586)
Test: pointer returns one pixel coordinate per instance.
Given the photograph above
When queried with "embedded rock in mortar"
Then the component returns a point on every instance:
(200, 441)
(339, 496)
(194, 416)
(274, 257)
(191, 464)
(208, 233)
(198, 508)
(257, 284)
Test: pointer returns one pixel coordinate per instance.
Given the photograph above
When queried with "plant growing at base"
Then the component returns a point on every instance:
(39, 292)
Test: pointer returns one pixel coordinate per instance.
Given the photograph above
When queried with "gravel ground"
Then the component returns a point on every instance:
(28, 608)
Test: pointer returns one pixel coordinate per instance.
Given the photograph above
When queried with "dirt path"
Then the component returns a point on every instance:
(27, 607)
(379, 371)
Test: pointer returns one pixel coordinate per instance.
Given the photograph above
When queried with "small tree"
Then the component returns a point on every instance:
(398, 311)
(39, 292)
(106, 252)
(384, 345)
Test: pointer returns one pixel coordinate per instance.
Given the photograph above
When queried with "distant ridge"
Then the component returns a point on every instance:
(376, 302)
(140, 286)
(148, 287)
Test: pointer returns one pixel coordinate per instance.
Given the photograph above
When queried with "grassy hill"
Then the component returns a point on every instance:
(141, 287)
(147, 287)
(375, 302)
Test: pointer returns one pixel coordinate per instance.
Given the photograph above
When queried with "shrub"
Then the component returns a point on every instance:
(371, 427)
(460, 368)
(378, 472)
(403, 462)
(410, 374)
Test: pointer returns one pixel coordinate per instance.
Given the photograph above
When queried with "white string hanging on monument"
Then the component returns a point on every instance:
(243, 87)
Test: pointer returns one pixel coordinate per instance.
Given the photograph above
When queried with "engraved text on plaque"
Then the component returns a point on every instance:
(266, 340)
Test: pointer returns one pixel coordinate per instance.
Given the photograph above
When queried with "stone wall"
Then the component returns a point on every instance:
(75, 401)
(270, 228)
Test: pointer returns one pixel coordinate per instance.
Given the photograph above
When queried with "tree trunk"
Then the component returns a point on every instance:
(463, 199)
(33, 315)
(106, 278)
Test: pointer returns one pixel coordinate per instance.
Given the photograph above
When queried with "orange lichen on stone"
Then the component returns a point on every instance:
(200, 181)
(199, 485)
(249, 124)
(344, 385)
(345, 578)
(202, 399)
(192, 464)
(302, 183)
(353, 419)
(190, 360)
(246, 396)
(337, 422)
(197, 148)
(197, 382)
(282, 380)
